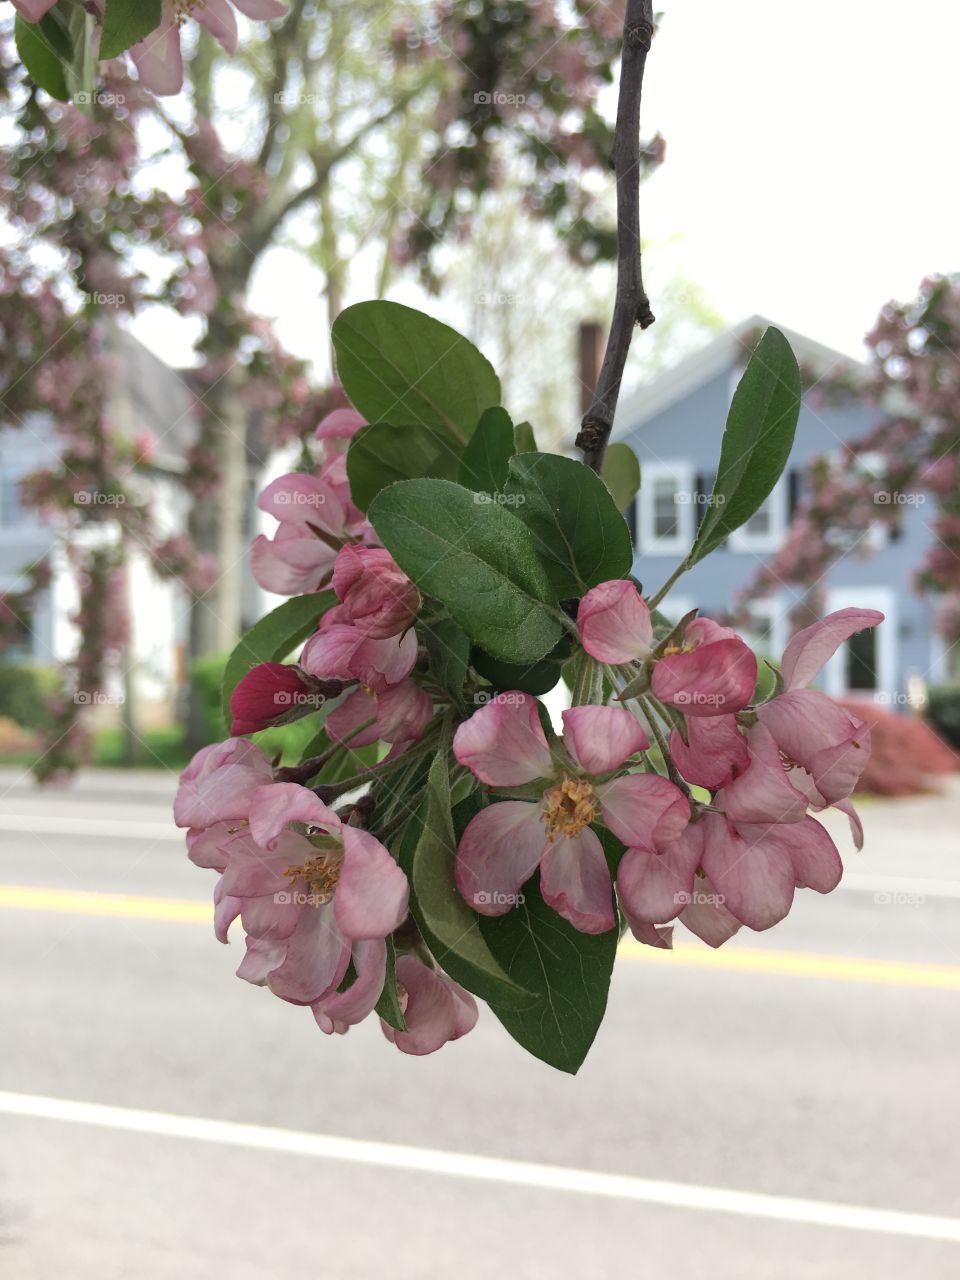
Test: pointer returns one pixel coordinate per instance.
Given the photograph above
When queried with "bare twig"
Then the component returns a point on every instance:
(632, 306)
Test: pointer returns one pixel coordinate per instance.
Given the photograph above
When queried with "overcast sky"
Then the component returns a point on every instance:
(811, 168)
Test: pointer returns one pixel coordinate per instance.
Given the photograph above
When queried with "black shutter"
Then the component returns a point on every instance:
(702, 488)
(630, 515)
(794, 486)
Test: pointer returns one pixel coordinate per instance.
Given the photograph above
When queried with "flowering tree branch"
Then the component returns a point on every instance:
(632, 306)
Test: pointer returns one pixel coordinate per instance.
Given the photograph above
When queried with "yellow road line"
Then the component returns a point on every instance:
(128, 906)
(730, 959)
(802, 964)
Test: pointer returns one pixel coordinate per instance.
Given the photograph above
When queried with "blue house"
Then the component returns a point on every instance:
(675, 424)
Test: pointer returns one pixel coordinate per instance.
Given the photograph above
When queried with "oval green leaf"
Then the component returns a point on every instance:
(398, 365)
(480, 561)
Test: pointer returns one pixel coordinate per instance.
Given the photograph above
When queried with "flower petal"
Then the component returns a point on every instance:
(437, 1009)
(707, 917)
(342, 1009)
(220, 20)
(614, 622)
(575, 881)
(371, 897)
(815, 858)
(503, 743)
(810, 649)
(831, 744)
(712, 680)
(158, 59)
(856, 825)
(601, 738)
(644, 810)
(499, 852)
(274, 807)
(764, 793)
(316, 958)
(715, 751)
(752, 870)
(655, 887)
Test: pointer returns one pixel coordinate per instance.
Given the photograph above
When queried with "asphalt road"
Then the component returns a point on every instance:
(786, 1109)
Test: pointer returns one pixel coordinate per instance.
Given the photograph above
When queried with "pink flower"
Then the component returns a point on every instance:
(339, 427)
(298, 559)
(158, 58)
(338, 1011)
(757, 867)
(271, 693)
(810, 730)
(714, 753)
(711, 673)
(306, 900)
(33, 10)
(343, 652)
(504, 745)
(435, 1008)
(219, 783)
(377, 597)
(615, 624)
(398, 715)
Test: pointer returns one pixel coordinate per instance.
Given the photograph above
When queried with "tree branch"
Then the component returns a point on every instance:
(632, 306)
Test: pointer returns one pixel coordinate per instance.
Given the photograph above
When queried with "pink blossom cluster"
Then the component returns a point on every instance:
(733, 860)
(157, 57)
(316, 897)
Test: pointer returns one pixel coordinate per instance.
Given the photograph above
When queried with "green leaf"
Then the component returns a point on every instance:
(535, 678)
(476, 558)
(125, 22)
(621, 474)
(388, 1006)
(449, 927)
(272, 639)
(581, 537)
(448, 648)
(45, 66)
(398, 365)
(381, 454)
(487, 456)
(756, 442)
(568, 969)
(524, 439)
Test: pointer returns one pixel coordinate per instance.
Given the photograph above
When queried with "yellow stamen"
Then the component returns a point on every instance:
(570, 807)
(320, 876)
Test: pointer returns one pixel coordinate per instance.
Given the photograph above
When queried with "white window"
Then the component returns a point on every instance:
(765, 632)
(666, 507)
(866, 664)
(765, 530)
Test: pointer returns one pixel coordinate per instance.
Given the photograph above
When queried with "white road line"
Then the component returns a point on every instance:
(111, 827)
(819, 1213)
(908, 886)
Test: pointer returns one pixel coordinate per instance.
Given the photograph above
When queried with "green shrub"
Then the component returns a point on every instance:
(943, 711)
(206, 676)
(25, 692)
